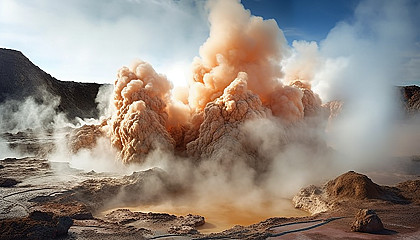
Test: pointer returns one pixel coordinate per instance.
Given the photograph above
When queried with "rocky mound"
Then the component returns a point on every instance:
(20, 78)
(350, 186)
(38, 225)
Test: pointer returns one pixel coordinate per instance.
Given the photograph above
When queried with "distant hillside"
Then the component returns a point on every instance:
(20, 78)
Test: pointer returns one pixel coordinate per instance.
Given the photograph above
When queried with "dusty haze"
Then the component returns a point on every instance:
(255, 123)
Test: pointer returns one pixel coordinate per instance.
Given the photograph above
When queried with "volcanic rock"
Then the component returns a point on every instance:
(122, 216)
(175, 224)
(191, 220)
(410, 190)
(21, 168)
(38, 225)
(73, 209)
(367, 221)
(356, 186)
(8, 182)
(350, 186)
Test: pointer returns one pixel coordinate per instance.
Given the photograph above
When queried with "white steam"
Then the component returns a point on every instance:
(251, 128)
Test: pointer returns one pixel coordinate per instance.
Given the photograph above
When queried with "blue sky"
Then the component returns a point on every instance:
(304, 19)
(89, 41)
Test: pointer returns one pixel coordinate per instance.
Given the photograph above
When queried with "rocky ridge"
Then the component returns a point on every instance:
(20, 78)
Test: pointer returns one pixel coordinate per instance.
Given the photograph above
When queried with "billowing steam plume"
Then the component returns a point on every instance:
(238, 77)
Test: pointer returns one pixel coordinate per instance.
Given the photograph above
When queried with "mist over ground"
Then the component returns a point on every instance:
(260, 119)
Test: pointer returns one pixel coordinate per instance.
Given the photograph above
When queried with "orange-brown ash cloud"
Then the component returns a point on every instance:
(240, 42)
(140, 96)
(223, 118)
(238, 77)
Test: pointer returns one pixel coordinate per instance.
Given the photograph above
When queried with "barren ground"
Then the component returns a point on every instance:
(33, 183)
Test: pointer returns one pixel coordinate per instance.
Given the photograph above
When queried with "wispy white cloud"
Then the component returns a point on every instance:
(364, 59)
(89, 40)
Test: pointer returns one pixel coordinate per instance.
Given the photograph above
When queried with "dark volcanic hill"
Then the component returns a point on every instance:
(20, 78)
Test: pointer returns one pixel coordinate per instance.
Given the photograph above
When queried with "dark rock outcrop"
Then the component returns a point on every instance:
(38, 225)
(20, 78)
(367, 221)
(8, 182)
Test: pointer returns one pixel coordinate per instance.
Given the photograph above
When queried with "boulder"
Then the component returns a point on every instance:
(367, 221)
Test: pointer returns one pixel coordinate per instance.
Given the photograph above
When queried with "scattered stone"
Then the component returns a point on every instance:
(8, 182)
(367, 221)
(122, 216)
(182, 230)
(158, 217)
(1, 166)
(191, 220)
(38, 225)
(175, 224)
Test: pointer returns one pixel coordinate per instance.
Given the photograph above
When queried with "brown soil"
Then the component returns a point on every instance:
(38, 225)
(410, 190)
(356, 186)
(398, 207)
